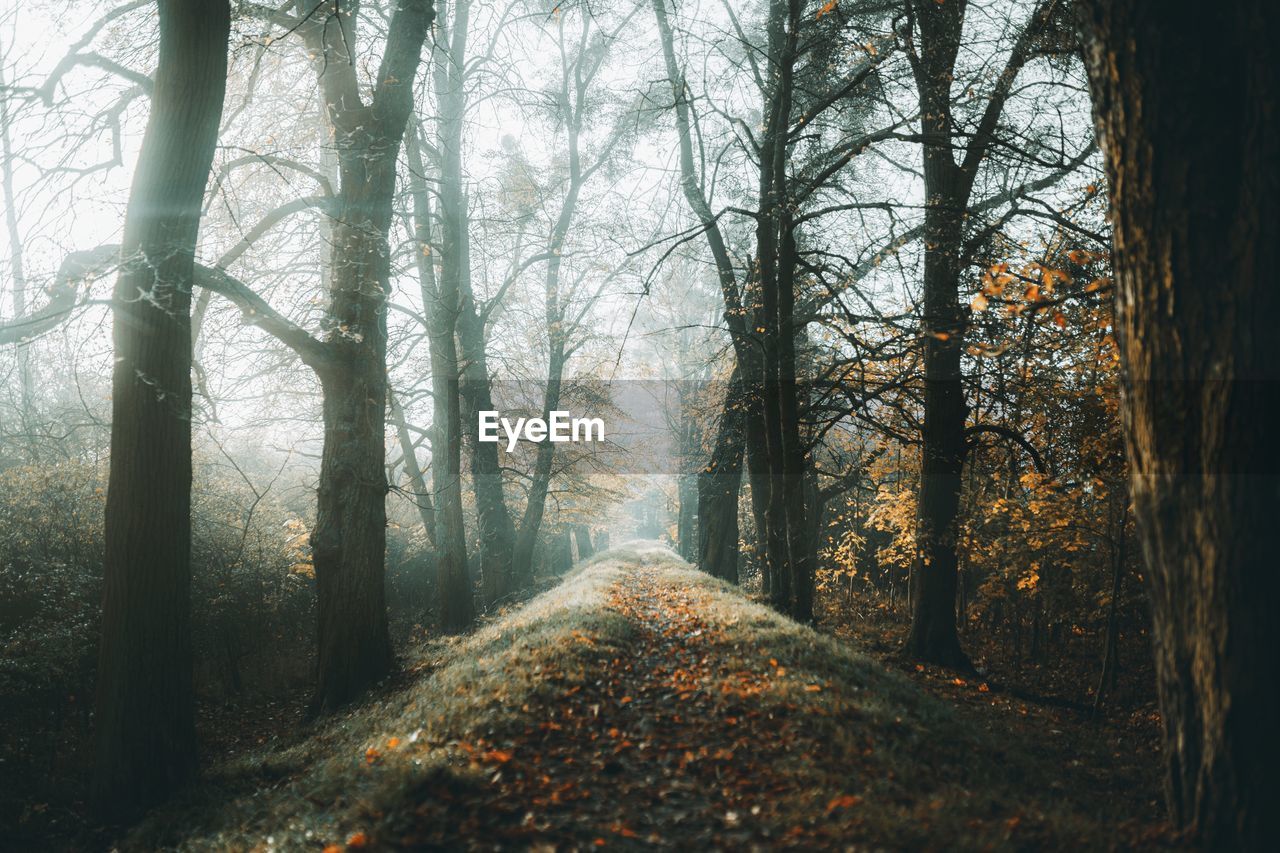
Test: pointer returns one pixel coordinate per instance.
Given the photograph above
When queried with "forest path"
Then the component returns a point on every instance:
(640, 704)
(669, 746)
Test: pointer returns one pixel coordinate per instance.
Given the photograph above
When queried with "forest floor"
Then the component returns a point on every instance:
(643, 704)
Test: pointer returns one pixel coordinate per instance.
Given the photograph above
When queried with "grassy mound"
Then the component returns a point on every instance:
(790, 738)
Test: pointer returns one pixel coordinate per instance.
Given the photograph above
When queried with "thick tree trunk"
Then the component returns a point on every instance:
(785, 528)
(349, 540)
(1189, 120)
(800, 542)
(718, 486)
(146, 741)
(933, 636)
(947, 186)
(348, 544)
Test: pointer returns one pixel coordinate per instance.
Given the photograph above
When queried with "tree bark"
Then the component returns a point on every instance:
(718, 486)
(441, 299)
(496, 528)
(1186, 106)
(739, 317)
(687, 520)
(785, 547)
(936, 35)
(146, 741)
(349, 540)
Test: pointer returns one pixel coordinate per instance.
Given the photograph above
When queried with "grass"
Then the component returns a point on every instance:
(826, 748)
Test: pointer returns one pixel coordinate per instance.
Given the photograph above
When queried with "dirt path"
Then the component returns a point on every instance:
(666, 748)
(641, 705)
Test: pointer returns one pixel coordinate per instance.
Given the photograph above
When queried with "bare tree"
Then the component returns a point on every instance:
(146, 741)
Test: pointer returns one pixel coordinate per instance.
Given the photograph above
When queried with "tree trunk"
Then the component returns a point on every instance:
(497, 531)
(146, 741)
(349, 540)
(1188, 120)
(687, 517)
(441, 300)
(784, 546)
(1109, 676)
(417, 481)
(801, 538)
(531, 521)
(933, 636)
(348, 544)
(739, 316)
(559, 551)
(718, 486)
(582, 535)
(439, 303)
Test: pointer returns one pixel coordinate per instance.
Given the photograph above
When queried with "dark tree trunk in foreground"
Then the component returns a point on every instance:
(1187, 104)
(146, 741)
(349, 541)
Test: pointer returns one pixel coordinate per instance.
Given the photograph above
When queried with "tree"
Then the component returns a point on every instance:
(1186, 109)
(440, 295)
(349, 540)
(581, 59)
(721, 479)
(146, 740)
(933, 42)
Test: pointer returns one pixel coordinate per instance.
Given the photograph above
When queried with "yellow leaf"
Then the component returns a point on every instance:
(979, 303)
